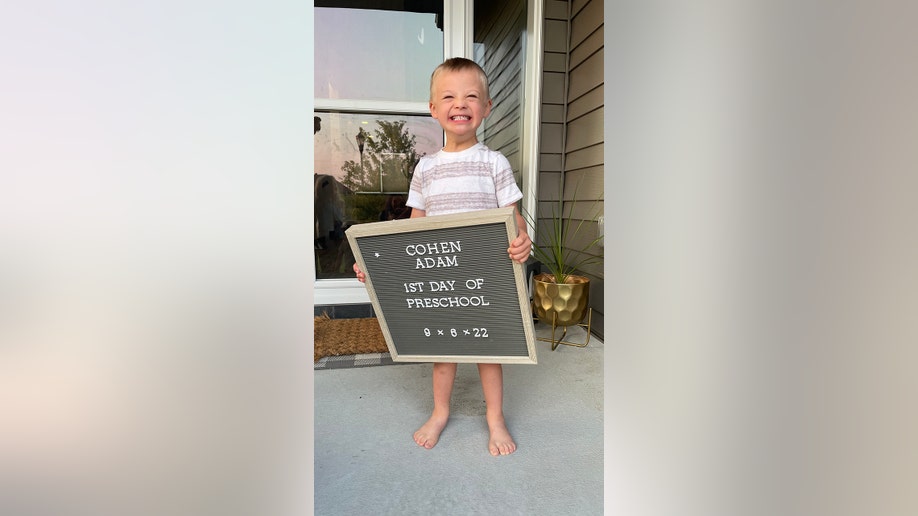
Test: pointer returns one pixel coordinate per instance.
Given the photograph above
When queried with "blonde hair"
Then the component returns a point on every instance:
(459, 64)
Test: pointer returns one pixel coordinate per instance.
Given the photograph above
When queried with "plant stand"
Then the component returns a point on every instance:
(560, 339)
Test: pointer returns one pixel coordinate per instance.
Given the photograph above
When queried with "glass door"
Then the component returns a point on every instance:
(372, 122)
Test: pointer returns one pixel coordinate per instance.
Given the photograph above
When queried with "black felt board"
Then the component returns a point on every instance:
(444, 288)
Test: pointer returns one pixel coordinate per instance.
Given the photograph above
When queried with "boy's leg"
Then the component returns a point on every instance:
(443, 376)
(492, 383)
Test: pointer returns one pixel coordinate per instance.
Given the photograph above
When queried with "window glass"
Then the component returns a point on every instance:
(363, 166)
(365, 54)
(363, 162)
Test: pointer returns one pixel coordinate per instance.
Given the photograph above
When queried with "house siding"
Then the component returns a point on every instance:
(554, 74)
(571, 159)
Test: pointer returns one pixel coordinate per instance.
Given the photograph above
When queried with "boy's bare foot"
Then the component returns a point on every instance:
(428, 435)
(500, 442)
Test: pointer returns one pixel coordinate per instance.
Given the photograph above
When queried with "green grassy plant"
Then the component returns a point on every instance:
(554, 241)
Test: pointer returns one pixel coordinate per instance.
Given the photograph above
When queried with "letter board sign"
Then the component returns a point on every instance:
(444, 289)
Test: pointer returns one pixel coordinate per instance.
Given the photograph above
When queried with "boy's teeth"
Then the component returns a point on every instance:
(461, 117)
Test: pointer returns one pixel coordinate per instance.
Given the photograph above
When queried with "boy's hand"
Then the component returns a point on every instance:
(520, 247)
(361, 277)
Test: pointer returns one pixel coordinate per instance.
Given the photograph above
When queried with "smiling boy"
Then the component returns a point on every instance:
(465, 176)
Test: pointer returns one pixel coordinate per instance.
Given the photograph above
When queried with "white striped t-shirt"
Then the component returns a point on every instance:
(476, 178)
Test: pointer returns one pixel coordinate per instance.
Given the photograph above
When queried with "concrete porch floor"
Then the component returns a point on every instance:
(366, 462)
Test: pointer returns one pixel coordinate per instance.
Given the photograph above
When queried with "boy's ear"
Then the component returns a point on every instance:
(488, 108)
(433, 109)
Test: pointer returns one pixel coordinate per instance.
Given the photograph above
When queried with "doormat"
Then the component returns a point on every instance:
(347, 337)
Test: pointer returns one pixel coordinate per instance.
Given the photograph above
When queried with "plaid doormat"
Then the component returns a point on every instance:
(348, 343)
(351, 361)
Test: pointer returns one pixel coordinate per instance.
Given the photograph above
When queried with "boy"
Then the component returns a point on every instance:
(465, 176)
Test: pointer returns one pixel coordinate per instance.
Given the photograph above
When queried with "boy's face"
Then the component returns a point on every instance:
(458, 103)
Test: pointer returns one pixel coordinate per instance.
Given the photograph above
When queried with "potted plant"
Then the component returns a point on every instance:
(560, 294)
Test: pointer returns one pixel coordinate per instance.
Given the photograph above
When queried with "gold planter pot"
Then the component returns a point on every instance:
(560, 304)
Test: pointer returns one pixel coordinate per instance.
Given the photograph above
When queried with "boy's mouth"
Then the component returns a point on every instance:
(460, 117)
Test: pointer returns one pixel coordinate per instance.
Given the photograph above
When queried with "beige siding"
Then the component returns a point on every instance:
(586, 157)
(552, 114)
(551, 138)
(554, 62)
(553, 88)
(585, 181)
(590, 46)
(584, 210)
(554, 75)
(586, 76)
(585, 103)
(555, 9)
(586, 21)
(549, 190)
(585, 131)
(550, 163)
(556, 36)
(579, 5)
(571, 141)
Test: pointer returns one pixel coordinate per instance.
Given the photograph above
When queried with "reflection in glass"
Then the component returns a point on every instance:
(370, 54)
(363, 168)
(502, 55)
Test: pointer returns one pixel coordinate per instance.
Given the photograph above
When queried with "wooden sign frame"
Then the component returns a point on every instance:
(444, 289)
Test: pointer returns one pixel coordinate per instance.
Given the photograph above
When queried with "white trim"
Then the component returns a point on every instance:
(532, 105)
(340, 292)
(458, 23)
(372, 106)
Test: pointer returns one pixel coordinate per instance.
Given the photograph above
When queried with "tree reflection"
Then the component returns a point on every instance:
(388, 161)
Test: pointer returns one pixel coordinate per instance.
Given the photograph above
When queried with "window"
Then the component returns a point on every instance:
(372, 122)
(363, 167)
(383, 55)
(372, 83)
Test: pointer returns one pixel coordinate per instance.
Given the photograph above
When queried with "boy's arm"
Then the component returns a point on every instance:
(521, 246)
(361, 277)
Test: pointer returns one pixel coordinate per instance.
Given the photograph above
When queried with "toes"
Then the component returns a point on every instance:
(497, 449)
(424, 441)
